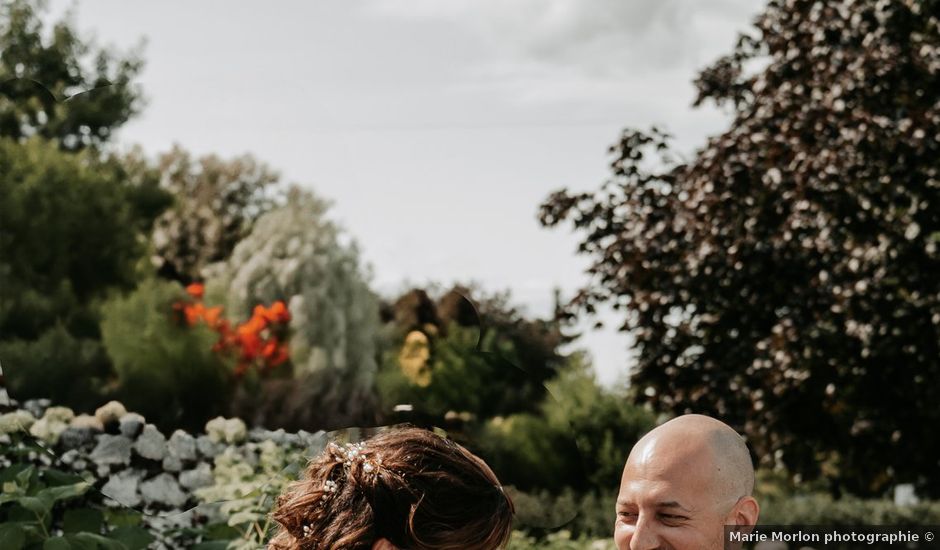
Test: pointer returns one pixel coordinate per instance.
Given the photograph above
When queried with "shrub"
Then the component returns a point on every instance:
(57, 366)
(822, 509)
(50, 508)
(467, 354)
(165, 370)
(580, 439)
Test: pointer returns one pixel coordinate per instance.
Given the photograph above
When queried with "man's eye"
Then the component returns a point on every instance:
(627, 515)
(671, 517)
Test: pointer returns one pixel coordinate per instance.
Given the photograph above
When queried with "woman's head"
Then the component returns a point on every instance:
(411, 487)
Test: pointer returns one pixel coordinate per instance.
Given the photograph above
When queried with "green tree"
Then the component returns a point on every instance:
(47, 76)
(72, 228)
(783, 278)
(216, 203)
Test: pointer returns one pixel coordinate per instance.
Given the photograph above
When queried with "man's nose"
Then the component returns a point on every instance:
(645, 535)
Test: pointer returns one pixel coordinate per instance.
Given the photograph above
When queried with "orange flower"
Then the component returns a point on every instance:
(194, 313)
(254, 325)
(211, 316)
(281, 356)
(280, 311)
(196, 290)
(254, 345)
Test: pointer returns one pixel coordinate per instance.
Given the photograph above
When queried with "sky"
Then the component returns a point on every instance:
(436, 127)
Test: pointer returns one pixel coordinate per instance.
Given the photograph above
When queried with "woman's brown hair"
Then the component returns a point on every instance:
(409, 486)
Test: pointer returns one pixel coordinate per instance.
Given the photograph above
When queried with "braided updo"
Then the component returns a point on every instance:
(409, 486)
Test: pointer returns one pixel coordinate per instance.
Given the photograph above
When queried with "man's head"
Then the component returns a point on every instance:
(683, 482)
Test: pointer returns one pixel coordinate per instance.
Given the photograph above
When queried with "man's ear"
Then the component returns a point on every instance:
(745, 512)
(383, 544)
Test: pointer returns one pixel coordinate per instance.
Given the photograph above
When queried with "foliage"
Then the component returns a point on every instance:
(481, 358)
(604, 424)
(57, 366)
(247, 493)
(256, 343)
(579, 441)
(43, 507)
(530, 453)
(821, 509)
(583, 514)
(780, 279)
(166, 371)
(41, 67)
(70, 231)
(294, 254)
(216, 203)
(561, 540)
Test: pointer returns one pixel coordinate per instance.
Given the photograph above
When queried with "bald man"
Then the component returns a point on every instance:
(683, 482)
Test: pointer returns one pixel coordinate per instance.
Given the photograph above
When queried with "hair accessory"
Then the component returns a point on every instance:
(328, 489)
(355, 453)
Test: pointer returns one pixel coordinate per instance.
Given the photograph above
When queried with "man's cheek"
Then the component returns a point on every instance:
(621, 536)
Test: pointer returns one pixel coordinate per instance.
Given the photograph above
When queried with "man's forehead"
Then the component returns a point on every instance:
(655, 480)
(660, 494)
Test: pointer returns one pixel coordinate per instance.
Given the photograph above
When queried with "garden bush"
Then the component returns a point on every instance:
(467, 352)
(579, 439)
(165, 369)
(56, 366)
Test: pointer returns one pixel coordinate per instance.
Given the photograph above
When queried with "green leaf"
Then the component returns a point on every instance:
(35, 505)
(12, 536)
(80, 520)
(16, 513)
(56, 543)
(133, 538)
(120, 517)
(51, 495)
(221, 531)
(22, 478)
(212, 545)
(58, 477)
(92, 541)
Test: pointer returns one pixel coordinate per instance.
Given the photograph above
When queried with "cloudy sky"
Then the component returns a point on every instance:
(435, 126)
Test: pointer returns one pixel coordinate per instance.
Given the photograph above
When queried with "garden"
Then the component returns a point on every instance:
(180, 333)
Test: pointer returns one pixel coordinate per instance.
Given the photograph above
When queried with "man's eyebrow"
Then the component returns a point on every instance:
(672, 504)
(664, 504)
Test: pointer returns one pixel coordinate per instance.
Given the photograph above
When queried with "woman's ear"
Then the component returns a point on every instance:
(383, 544)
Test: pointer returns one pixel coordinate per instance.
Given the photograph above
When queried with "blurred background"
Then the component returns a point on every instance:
(544, 227)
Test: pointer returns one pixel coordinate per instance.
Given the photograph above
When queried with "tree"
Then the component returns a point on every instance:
(47, 77)
(216, 203)
(72, 229)
(467, 352)
(296, 254)
(783, 279)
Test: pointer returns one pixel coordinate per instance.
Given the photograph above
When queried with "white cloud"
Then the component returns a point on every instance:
(582, 49)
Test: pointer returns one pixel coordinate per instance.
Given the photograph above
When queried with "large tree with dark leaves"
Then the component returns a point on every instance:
(785, 278)
(47, 75)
